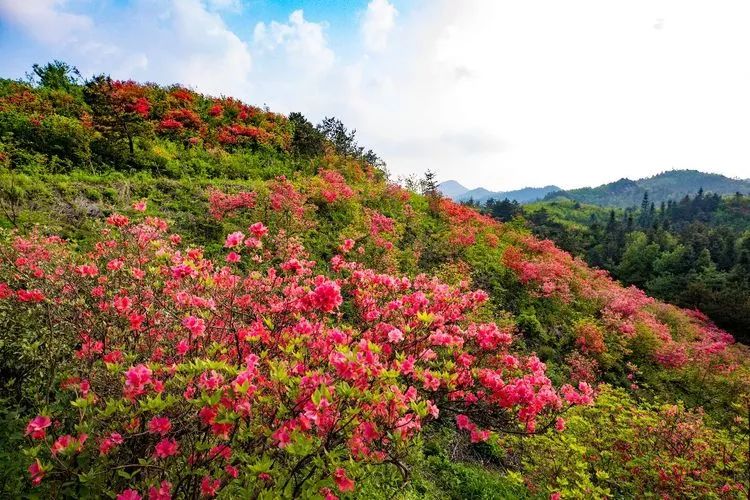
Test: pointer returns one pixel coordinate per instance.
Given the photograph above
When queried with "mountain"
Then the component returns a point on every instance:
(457, 192)
(200, 297)
(452, 189)
(670, 185)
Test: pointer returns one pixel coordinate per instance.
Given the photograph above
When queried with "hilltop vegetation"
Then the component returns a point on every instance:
(670, 185)
(203, 298)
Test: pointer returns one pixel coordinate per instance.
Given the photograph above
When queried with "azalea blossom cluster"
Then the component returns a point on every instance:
(627, 312)
(221, 204)
(194, 377)
(466, 223)
(333, 186)
(179, 113)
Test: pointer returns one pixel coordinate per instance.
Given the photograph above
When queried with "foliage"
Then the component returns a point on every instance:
(363, 340)
(693, 252)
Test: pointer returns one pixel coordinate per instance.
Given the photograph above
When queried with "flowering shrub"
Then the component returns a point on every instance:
(332, 186)
(617, 449)
(221, 204)
(181, 376)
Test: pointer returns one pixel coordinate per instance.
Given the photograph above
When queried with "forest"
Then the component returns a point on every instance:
(693, 252)
(204, 298)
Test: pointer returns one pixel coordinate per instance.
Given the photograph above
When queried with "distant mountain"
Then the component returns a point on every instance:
(671, 185)
(457, 192)
(452, 189)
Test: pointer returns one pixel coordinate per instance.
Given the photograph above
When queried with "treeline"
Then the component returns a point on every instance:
(694, 252)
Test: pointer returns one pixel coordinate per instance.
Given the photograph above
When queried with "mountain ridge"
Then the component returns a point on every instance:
(669, 185)
(457, 192)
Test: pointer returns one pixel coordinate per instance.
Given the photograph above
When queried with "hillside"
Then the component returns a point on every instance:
(200, 297)
(457, 192)
(670, 185)
(693, 252)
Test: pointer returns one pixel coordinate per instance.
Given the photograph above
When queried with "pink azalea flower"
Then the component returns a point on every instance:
(37, 426)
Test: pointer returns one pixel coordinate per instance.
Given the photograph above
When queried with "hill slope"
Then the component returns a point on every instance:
(243, 304)
(671, 185)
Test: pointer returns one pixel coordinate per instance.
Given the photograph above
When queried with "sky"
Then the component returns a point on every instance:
(494, 93)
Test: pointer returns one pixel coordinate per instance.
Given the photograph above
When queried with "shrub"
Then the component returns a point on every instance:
(161, 369)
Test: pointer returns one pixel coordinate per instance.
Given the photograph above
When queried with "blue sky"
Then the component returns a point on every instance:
(497, 93)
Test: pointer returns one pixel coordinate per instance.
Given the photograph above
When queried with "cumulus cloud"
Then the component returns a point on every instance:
(226, 5)
(170, 41)
(209, 55)
(377, 23)
(45, 20)
(495, 93)
(303, 42)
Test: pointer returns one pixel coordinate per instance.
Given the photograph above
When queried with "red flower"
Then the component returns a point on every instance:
(109, 443)
(36, 472)
(159, 425)
(118, 220)
(129, 495)
(327, 296)
(36, 428)
(343, 483)
(258, 230)
(234, 239)
(210, 486)
(163, 493)
(166, 448)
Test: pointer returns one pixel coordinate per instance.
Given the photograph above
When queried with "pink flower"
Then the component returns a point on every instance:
(209, 486)
(395, 336)
(234, 239)
(233, 257)
(109, 443)
(36, 427)
(560, 424)
(463, 422)
(166, 448)
(129, 495)
(140, 206)
(36, 472)
(555, 496)
(122, 303)
(163, 493)
(282, 437)
(118, 220)
(343, 483)
(196, 325)
(347, 246)
(68, 443)
(137, 377)
(479, 436)
(327, 296)
(258, 230)
(182, 347)
(159, 425)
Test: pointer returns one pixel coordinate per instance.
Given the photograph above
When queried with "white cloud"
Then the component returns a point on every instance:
(571, 93)
(45, 20)
(226, 5)
(377, 23)
(208, 54)
(169, 41)
(303, 42)
(495, 93)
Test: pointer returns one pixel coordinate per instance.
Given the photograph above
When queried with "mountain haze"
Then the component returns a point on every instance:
(457, 192)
